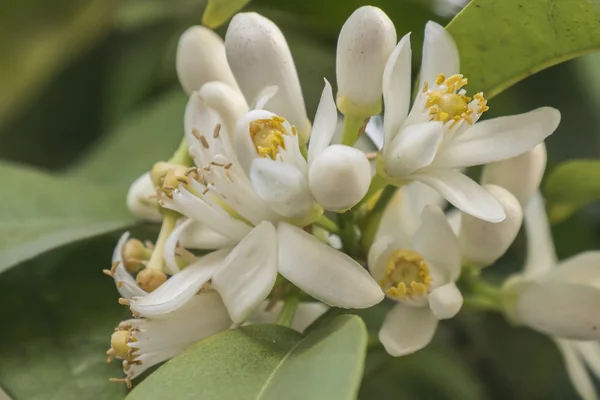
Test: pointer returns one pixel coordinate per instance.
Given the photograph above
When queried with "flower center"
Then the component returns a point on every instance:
(406, 275)
(267, 136)
(452, 104)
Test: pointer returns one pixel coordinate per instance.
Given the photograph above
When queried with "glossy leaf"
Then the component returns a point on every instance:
(217, 12)
(41, 211)
(570, 186)
(503, 42)
(265, 362)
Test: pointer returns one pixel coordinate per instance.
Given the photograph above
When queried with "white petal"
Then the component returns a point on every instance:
(324, 273)
(259, 56)
(407, 329)
(198, 236)
(171, 246)
(374, 131)
(247, 275)
(339, 177)
(283, 187)
(482, 242)
(225, 100)
(436, 241)
(412, 149)
(499, 138)
(141, 199)
(445, 301)
(541, 256)
(396, 88)
(454, 219)
(590, 352)
(440, 55)
(463, 193)
(306, 314)
(583, 268)
(180, 288)
(244, 146)
(201, 58)
(126, 284)
(324, 124)
(263, 97)
(560, 309)
(379, 252)
(364, 45)
(520, 175)
(576, 370)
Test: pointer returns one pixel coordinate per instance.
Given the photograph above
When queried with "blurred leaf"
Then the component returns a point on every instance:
(58, 313)
(150, 135)
(570, 186)
(266, 362)
(432, 373)
(38, 38)
(217, 12)
(41, 211)
(503, 42)
(136, 14)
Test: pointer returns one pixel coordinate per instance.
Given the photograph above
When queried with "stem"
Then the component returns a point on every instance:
(375, 216)
(483, 296)
(290, 305)
(168, 224)
(182, 155)
(353, 127)
(327, 224)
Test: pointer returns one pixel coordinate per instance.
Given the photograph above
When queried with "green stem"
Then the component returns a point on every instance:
(327, 224)
(182, 155)
(374, 219)
(168, 224)
(290, 305)
(482, 295)
(352, 129)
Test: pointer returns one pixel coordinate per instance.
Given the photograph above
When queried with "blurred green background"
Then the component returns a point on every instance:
(88, 89)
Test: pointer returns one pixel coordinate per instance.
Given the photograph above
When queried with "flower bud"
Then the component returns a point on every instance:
(150, 279)
(141, 199)
(201, 58)
(519, 175)
(482, 242)
(365, 43)
(339, 177)
(259, 57)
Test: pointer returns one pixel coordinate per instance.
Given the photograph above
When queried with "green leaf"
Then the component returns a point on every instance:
(570, 186)
(219, 11)
(503, 42)
(265, 362)
(57, 314)
(151, 135)
(41, 211)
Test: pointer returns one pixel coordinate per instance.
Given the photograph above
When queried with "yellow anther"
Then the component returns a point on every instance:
(267, 136)
(406, 275)
(119, 343)
(150, 279)
(425, 86)
(440, 79)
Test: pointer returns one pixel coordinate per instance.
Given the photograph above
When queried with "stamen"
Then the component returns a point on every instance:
(267, 135)
(217, 131)
(406, 275)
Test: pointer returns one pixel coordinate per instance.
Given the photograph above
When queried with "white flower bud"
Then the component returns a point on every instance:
(339, 177)
(201, 58)
(141, 199)
(519, 175)
(482, 242)
(259, 57)
(366, 41)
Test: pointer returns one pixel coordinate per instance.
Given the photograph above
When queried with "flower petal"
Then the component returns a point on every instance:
(199, 236)
(324, 273)
(126, 284)
(324, 124)
(283, 187)
(141, 199)
(463, 193)
(407, 329)
(438, 244)
(374, 131)
(396, 88)
(306, 314)
(440, 55)
(445, 301)
(583, 268)
(180, 288)
(248, 274)
(541, 256)
(413, 148)
(499, 138)
(228, 102)
(576, 370)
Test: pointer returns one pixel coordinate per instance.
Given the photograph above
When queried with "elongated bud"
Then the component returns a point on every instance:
(339, 177)
(482, 242)
(259, 57)
(201, 58)
(365, 43)
(519, 175)
(141, 199)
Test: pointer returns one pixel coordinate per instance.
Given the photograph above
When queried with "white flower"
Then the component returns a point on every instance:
(143, 342)
(260, 57)
(440, 134)
(365, 42)
(201, 59)
(416, 262)
(560, 299)
(141, 199)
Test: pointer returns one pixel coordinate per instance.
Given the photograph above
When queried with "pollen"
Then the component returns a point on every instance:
(406, 275)
(267, 136)
(450, 104)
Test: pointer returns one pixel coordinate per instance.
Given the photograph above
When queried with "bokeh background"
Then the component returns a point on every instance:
(88, 89)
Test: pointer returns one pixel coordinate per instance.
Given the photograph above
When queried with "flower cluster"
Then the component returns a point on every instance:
(259, 205)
